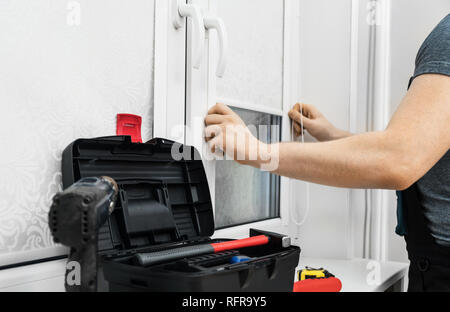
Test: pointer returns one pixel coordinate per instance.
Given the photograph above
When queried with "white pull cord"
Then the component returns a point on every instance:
(293, 193)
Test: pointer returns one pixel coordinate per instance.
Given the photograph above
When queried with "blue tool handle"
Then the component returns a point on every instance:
(239, 259)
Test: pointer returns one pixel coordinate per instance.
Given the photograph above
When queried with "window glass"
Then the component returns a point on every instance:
(245, 194)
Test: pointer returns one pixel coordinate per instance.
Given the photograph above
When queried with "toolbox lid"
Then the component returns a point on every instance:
(164, 194)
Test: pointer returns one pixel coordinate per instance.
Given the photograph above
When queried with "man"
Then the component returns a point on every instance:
(411, 155)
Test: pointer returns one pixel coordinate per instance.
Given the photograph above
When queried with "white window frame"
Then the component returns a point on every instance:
(201, 90)
(169, 75)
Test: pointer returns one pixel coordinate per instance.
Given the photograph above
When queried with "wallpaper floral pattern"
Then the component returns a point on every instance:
(60, 82)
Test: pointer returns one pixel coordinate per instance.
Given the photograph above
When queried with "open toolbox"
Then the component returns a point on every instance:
(164, 203)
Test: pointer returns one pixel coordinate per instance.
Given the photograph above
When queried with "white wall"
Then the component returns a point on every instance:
(327, 65)
(60, 81)
(325, 59)
(411, 23)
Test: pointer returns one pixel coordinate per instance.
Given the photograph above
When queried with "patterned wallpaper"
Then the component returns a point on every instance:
(66, 69)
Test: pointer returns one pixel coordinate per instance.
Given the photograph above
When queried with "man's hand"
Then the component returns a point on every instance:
(315, 123)
(225, 131)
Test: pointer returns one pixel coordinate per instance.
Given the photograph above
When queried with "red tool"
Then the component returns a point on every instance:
(128, 124)
(330, 284)
(147, 259)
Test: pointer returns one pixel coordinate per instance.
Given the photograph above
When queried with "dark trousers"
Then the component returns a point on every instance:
(425, 277)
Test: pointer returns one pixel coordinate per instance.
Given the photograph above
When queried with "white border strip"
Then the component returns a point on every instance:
(353, 113)
(26, 278)
(385, 82)
(160, 69)
(380, 118)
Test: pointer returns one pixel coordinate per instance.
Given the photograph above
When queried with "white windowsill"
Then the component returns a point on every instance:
(46, 277)
(49, 276)
(353, 273)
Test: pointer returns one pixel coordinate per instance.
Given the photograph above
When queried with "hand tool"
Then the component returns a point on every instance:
(276, 240)
(239, 259)
(330, 284)
(128, 124)
(317, 280)
(152, 258)
(75, 217)
(310, 273)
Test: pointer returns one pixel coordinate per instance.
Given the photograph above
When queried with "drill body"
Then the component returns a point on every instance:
(75, 217)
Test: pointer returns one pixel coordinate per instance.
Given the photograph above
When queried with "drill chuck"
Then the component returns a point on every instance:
(75, 217)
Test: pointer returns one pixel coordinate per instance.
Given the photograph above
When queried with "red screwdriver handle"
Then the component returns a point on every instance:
(241, 243)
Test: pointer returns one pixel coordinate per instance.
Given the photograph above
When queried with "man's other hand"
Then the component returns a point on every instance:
(315, 123)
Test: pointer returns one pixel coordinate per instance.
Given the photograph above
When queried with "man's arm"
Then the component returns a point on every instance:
(417, 137)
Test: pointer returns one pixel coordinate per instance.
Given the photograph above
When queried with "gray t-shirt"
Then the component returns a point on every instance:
(434, 187)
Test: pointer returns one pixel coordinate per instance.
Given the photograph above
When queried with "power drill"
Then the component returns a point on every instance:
(75, 217)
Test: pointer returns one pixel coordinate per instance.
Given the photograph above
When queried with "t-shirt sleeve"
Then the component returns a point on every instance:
(434, 55)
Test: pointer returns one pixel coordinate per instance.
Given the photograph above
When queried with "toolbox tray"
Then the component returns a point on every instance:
(164, 202)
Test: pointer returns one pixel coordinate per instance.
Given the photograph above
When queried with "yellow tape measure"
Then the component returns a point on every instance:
(310, 273)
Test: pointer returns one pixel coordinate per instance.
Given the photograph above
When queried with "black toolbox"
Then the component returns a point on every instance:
(164, 202)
